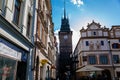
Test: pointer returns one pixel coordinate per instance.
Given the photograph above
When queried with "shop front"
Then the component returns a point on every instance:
(10, 56)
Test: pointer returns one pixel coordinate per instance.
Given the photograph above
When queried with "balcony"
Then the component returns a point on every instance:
(39, 42)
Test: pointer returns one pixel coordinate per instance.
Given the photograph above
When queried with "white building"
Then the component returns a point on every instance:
(96, 46)
(16, 43)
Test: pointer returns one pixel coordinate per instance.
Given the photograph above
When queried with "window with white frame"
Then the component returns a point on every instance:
(16, 12)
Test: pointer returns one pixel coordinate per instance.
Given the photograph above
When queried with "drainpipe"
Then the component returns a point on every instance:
(32, 54)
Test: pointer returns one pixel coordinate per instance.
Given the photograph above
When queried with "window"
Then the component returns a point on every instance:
(116, 58)
(118, 74)
(84, 58)
(115, 45)
(103, 59)
(38, 27)
(28, 26)
(102, 43)
(7, 68)
(92, 59)
(1, 2)
(94, 33)
(80, 60)
(16, 12)
(87, 43)
(43, 35)
(45, 39)
(2, 6)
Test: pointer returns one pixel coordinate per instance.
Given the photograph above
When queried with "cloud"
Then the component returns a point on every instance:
(75, 37)
(77, 2)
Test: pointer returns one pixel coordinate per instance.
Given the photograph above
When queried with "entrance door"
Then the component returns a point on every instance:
(106, 74)
(37, 68)
(21, 71)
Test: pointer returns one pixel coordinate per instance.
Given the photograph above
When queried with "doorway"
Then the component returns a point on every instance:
(21, 70)
(37, 68)
(106, 74)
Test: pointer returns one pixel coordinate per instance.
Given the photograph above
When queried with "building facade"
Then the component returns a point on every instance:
(45, 50)
(100, 47)
(27, 41)
(16, 40)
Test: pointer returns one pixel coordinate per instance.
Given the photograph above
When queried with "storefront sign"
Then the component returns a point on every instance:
(5, 49)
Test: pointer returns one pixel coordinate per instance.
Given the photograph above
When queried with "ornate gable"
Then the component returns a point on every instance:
(93, 25)
(115, 31)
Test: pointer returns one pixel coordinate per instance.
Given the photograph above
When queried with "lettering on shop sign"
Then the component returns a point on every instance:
(5, 50)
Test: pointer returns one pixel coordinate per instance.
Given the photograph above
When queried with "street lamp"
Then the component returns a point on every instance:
(112, 62)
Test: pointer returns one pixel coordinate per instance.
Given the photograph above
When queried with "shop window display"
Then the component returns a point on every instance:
(7, 68)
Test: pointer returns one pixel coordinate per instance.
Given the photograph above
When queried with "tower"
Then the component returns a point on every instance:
(65, 47)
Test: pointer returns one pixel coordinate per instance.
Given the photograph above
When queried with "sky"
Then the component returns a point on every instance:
(82, 12)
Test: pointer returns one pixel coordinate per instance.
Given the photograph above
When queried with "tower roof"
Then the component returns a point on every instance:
(65, 21)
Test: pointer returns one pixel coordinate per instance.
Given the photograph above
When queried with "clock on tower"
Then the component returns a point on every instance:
(65, 37)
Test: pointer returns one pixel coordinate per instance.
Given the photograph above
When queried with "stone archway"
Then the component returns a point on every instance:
(106, 74)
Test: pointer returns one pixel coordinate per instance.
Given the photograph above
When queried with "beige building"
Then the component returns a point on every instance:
(99, 47)
(45, 50)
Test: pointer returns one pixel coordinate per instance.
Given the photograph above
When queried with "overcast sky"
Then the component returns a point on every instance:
(82, 12)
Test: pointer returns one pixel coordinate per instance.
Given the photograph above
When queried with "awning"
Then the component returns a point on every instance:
(89, 68)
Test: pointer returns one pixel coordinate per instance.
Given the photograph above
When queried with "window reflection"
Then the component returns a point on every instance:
(7, 68)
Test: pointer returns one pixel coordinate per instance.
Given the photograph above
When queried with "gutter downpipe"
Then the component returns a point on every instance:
(33, 54)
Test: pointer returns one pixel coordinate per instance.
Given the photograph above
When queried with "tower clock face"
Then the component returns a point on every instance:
(65, 37)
